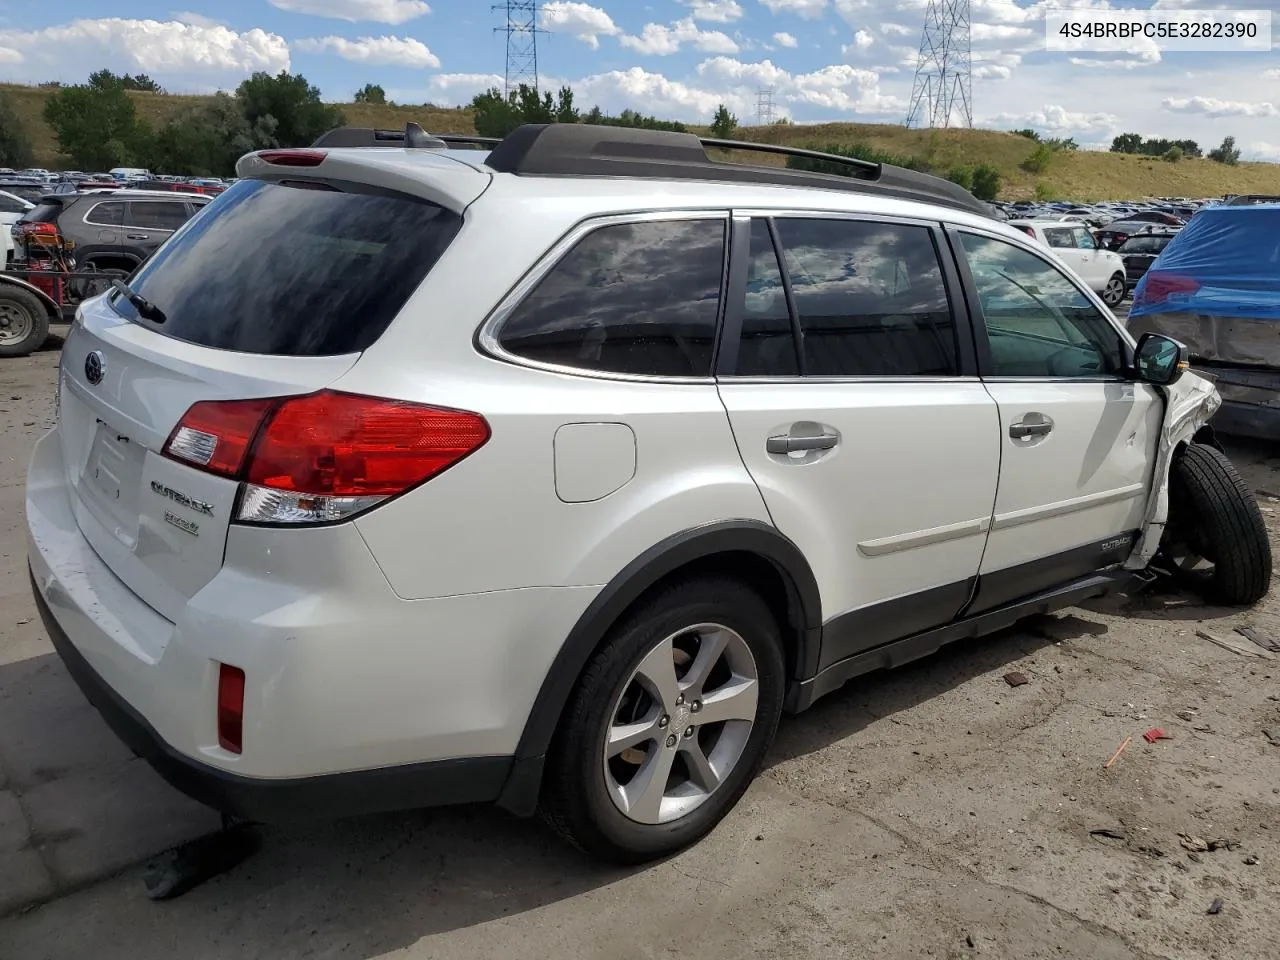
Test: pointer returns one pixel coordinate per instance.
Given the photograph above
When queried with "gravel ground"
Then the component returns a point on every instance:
(931, 812)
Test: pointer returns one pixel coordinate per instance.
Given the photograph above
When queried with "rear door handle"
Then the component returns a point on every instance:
(1032, 425)
(137, 236)
(786, 444)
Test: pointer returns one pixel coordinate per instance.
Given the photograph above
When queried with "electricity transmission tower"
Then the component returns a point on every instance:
(764, 106)
(521, 28)
(944, 71)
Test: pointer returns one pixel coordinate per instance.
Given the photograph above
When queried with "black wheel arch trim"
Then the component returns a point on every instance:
(520, 793)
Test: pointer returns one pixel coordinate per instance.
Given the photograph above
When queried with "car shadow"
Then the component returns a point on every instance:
(367, 886)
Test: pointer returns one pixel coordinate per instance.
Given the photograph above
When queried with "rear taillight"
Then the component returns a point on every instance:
(325, 456)
(293, 158)
(230, 708)
(39, 231)
(1160, 286)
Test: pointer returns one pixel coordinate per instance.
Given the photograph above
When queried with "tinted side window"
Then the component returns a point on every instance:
(108, 214)
(637, 298)
(1059, 238)
(871, 299)
(1038, 322)
(768, 345)
(157, 214)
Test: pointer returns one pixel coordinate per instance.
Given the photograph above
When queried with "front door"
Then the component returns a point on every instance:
(1078, 436)
(850, 384)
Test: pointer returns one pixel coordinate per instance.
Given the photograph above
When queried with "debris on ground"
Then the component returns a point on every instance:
(1109, 834)
(1016, 678)
(1216, 906)
(1186, 715)
(1154, 734)
(1119, 750)
(24, 621)
(1272, 736)
(1251, 861)
(185, 867)
(1196, 844)
(1238, 649)
(1265, 640)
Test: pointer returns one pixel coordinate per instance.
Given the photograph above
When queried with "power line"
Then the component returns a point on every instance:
(765, 106)
(944, 71)
(521, 28)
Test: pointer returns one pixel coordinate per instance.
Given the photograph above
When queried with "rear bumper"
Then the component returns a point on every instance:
(1248, 420)
(1250, 400)
(435, 783)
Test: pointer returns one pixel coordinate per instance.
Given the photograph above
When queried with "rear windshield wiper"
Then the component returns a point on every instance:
(145, 307)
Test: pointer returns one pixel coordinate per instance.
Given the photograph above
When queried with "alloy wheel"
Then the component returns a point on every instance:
(680, 724)
(15, 322)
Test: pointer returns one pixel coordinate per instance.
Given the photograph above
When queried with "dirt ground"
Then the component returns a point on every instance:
(932, 812)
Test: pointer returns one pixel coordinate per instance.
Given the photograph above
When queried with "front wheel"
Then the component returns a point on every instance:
(1114, 291)
(669, 723)
(24, 322)
(1216, 539)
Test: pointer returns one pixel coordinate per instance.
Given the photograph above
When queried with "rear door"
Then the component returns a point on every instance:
(1078, 438)
(1061, 240)
(847, 370)
(149, 223)
(95, 227)
(326, 272)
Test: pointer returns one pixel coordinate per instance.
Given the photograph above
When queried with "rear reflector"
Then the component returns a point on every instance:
(230, 708)
(293, 158)
(325, 456)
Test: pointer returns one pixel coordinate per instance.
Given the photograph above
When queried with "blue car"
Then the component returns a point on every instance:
(1216, 287)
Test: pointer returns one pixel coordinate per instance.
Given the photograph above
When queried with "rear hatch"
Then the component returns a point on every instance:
(273, 291)
(1216, 287)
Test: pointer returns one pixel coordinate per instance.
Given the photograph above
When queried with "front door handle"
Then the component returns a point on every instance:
(1032, 425)
(137, 236)
(786, 444)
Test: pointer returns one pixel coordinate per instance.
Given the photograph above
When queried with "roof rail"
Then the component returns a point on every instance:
(412, 137)
(587, 150)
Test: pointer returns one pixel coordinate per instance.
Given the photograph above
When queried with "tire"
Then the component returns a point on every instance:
(1113, 293)
(24, 322)
(1214, 518)
(583, 791)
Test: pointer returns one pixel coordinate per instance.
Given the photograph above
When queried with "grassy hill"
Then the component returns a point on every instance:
(1081, 175)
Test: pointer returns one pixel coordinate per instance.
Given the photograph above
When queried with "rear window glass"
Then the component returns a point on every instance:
(1145, 245)
(278, 269)
(43, 213)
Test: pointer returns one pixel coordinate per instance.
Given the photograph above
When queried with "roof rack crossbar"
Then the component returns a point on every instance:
(867, 165)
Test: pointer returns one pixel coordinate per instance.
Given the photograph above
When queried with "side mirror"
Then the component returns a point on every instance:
(1160, 360)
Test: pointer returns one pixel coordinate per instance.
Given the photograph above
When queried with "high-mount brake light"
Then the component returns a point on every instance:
(323, 456)
(293, 158)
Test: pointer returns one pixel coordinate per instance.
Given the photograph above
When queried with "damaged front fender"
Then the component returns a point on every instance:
(1188, 406)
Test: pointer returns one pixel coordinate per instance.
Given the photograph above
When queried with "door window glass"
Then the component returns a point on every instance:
(638, 298)
(1083, 238)
(1038, 322)
(1059, 238)
(870, 298)
(157, 214)
(109, 214)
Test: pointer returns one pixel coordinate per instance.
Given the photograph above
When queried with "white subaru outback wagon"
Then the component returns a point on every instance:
(552, 475)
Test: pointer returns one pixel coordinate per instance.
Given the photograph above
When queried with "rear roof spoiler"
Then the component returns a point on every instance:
(411, 137)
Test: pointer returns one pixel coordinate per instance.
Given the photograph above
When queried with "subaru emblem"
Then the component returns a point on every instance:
(95, 365)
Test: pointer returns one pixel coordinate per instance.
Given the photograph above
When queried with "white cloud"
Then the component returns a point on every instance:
(173, 53)
(198, 19)
(861, 40)
(786, 40)
(992, 71)
(1271, 75)
(1258, 150)
(584, 21)
(715, 11)
(898, 30)
(1120, 63)
(808, 9)
(999, 31)
(456, 87)
(377, 11)
(1059, 121)
(386, 51)
(10, 55)
(1213, 107)
(660, 41)
(838, 87)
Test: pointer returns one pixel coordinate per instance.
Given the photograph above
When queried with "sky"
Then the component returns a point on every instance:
(827, 60)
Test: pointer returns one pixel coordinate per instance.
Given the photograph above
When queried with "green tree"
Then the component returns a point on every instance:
(1227, 153)
(96, 125)
(986, 182)
(15, 144)
(1127, 143)
(371, 93)
(291, 103)
(1173, 154)
(1045, 192)
(723, 123)
(495, 115)
(208, 139)
(106, 80)
(963, 176)
(1066, 144)
(1028, 133)
(1040, 159)
(565, 112)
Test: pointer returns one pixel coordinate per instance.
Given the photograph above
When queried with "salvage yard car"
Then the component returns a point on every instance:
(553, 475)
(1074, 245)
(1216, 288)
